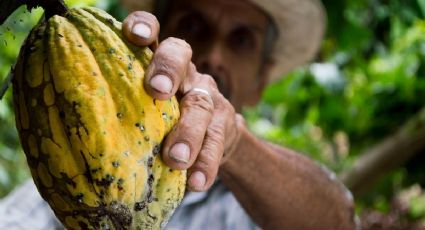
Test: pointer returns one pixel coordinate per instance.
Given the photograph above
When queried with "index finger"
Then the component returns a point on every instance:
(169, 67)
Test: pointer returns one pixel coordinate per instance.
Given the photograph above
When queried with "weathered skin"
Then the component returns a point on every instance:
(90, 132)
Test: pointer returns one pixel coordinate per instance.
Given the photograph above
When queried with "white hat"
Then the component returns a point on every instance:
(301, 25)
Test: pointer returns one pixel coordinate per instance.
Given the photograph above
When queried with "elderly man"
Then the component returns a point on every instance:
(236, 181)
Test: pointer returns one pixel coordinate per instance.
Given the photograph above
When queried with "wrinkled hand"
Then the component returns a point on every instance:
(208, 127)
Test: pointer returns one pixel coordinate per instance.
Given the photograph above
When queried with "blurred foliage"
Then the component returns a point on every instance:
(13, 32)
(368, 80)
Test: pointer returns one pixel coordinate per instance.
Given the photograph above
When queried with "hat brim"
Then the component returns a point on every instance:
(301, 26)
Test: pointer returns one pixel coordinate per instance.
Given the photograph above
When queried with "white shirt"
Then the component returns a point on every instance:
(215, 209)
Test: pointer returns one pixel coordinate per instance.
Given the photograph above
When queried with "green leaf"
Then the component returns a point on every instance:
(421, 4)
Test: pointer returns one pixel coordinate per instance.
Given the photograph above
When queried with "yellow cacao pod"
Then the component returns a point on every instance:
(90, 132)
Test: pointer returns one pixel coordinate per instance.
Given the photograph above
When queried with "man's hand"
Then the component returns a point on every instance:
(208, 126)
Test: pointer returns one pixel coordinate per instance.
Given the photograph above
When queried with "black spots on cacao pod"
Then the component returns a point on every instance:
(139, 206)
(111, 50)
(150, 197)
(150, 162)
(93, 171)
(120, 183)
(131, 57)
(120, 115)
(76, 105)
(94, 74)
(170, 170)
(109, 178)
(102, 194)
(115, 164)
(150, 180)
(146, 138)
(140, 126)
(126, 153)
(80, 46)
(79, 198)
(120, 215)
(153, 217)
(60, 35)
(110, 21)
(156, 150)
(106, 181)
(68, 180)
(164, 116)
(130, 66)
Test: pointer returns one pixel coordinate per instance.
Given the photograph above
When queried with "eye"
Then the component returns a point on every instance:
(191, 27)
(242, 39)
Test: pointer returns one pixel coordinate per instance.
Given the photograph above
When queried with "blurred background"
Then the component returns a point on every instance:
(359, 108)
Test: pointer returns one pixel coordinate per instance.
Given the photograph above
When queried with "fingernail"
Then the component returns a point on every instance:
(142, 30)
(197, 180)
(180, 152)
(162, 83)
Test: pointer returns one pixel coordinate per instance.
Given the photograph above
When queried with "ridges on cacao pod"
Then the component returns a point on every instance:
(90, 132)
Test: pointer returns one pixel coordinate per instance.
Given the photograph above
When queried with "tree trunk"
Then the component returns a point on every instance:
(387, 155)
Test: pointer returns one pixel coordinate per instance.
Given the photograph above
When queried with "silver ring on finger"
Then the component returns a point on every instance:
(203, 91)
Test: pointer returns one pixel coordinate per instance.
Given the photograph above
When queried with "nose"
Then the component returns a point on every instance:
(210, 58)
(212, 61)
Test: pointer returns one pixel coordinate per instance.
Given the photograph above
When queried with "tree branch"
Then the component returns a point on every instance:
(387, 155)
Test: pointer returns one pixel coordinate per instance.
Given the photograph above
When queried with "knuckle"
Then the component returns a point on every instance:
(208, 163)
(177, 42)
(200, 101)
(223, 104)
(189, 132)
(216, 133)
(172, 59)
(229, 107)
(178, 45)
(209, 80)
(166, 65)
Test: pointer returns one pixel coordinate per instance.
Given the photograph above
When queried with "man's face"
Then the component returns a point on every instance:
(227, 39)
